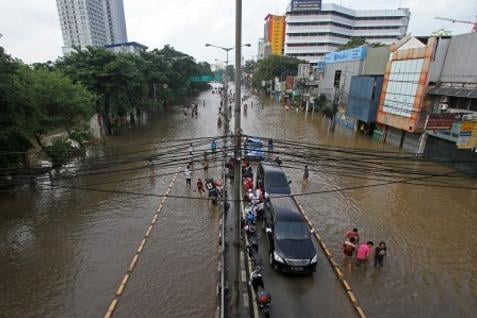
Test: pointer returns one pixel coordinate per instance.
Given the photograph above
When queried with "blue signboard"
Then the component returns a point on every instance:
(306, 5)
(346, 56)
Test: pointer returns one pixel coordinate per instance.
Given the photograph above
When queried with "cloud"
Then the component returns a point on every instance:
(32, 31)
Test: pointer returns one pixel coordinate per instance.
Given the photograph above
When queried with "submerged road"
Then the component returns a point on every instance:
(64, 251)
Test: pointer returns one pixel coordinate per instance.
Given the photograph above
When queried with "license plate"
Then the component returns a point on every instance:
(297, 269)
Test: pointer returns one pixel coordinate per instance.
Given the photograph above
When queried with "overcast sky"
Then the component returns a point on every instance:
(31, 29)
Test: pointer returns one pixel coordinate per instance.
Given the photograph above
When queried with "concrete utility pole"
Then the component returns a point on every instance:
(237, 115)
(238, 71)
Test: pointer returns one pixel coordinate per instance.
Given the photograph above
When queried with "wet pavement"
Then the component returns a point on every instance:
(64, 251)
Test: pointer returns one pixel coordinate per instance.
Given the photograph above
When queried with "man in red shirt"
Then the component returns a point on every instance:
(354, 233)
(348, 250)
(364, 250)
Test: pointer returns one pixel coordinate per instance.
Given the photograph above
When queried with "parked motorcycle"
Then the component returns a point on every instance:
(262, 296)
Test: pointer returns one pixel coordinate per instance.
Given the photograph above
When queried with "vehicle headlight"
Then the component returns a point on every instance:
(277, 257)
(314, 259)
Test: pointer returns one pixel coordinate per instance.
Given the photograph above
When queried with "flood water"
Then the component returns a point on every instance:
(64, 251)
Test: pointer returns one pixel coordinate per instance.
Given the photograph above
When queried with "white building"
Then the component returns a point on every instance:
(128, 47)
(91, 23)
(311, 33)
(261, 49)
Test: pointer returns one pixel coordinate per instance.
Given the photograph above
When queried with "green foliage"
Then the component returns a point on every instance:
(353, 43)
(324, 106)
(274, 66)
(80, 136)
(63, 95)
(358, 42)
(250, 67)
(60, 151)
(60, 102)
(12, 144)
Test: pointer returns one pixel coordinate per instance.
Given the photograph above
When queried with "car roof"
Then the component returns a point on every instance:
(254, 140)
(271, 167)
(285, 209)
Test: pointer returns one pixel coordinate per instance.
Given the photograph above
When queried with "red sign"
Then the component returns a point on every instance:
(290, 82)
(440, 121)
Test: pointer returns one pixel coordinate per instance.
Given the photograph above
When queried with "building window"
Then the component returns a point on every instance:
(402, 87)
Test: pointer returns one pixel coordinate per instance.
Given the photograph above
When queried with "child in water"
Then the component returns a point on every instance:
(379, 254)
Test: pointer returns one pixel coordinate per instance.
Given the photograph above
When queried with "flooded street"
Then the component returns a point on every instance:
(430, 270)
(64, 251)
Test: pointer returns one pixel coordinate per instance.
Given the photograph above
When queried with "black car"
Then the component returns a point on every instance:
(291, 246)
(273, 179)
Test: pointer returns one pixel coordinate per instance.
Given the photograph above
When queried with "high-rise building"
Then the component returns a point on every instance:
(261, 44)
(274, 34)
(91, 23)
(314, 29)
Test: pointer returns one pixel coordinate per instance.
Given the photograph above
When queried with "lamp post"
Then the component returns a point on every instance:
(227, 50)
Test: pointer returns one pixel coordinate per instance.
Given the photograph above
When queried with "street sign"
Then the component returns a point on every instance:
(206, 78)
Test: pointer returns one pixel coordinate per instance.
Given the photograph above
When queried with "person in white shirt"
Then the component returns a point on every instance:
(188, 176)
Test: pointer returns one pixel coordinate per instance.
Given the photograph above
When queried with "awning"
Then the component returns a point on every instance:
(453, 92)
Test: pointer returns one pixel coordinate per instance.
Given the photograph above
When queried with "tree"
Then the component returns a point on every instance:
(112, 78)
(60, 102)
(18, 114)
(250, 67)
(275, 66)
(358, 42)
(353, 43)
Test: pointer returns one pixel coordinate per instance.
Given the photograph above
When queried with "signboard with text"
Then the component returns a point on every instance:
(440, 121)
(306, 5)
(466, 130)
(346, 55)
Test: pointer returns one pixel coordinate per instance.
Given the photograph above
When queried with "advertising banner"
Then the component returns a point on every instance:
(346, 56)
(440, 121)
(290, 82)
(465, 135)
(306, 5)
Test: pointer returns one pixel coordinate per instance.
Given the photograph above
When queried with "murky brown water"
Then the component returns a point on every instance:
(63, 252)
(429, 231)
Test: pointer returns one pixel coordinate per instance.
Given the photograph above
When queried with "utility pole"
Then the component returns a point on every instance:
(237, 126)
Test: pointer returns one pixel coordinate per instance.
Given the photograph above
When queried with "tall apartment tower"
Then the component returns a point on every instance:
(314, 29)
(91, 23)
(274, 35)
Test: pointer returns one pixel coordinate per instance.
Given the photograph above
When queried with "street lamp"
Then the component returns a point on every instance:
(227, 50)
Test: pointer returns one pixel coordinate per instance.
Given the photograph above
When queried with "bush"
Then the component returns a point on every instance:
(60, 151)
(81, 137)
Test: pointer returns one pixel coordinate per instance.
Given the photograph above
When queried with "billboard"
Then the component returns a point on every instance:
(356, 54)
(466, 132)
(441, 121)
(306, 5)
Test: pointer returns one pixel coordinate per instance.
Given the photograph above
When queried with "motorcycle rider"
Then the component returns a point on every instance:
(211, 187)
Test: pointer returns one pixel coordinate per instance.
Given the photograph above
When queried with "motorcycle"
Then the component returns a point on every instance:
(262, 296)
(213, 192)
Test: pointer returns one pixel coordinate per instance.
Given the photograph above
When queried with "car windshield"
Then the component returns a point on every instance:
(276, 180)
(291, 231)
(254, 145)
